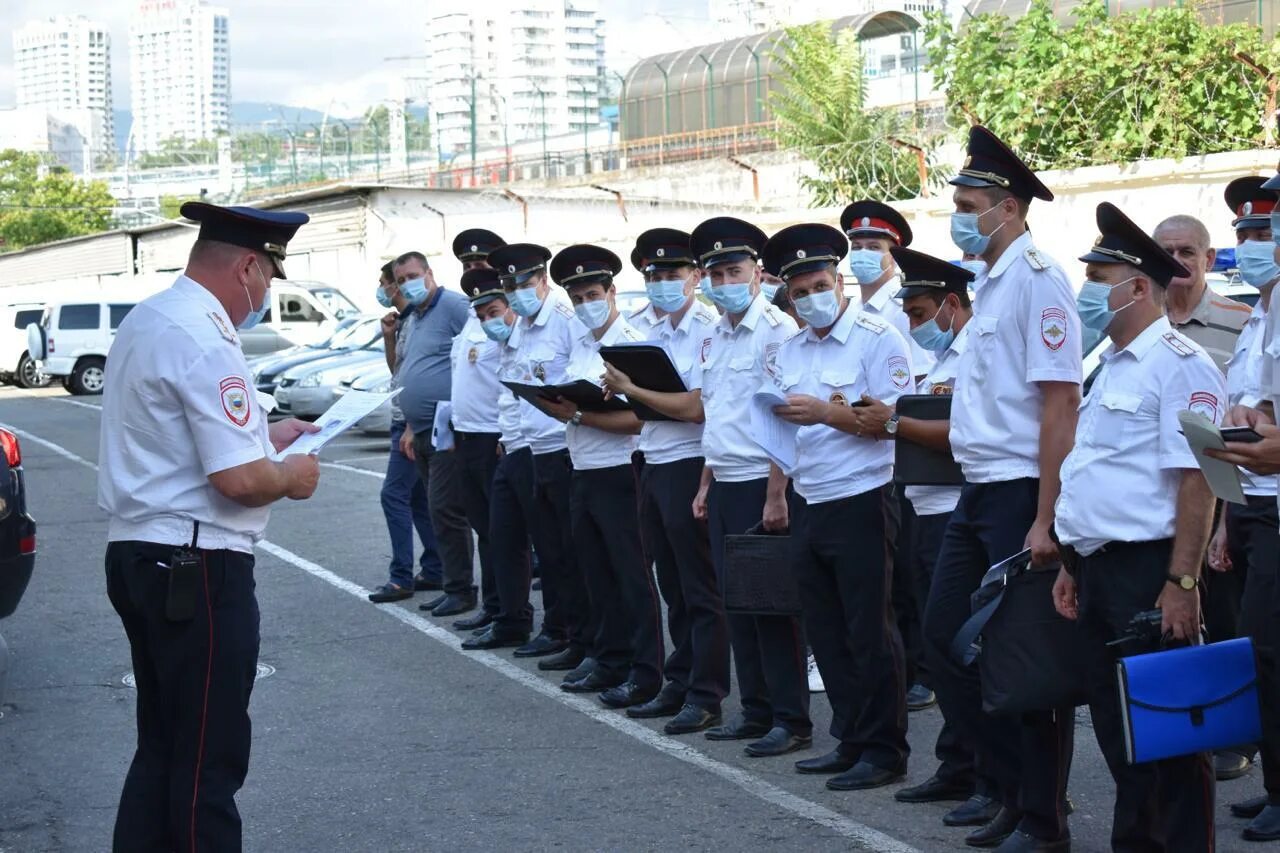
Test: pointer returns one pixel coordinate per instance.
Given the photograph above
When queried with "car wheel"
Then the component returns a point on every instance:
(88, 376)
(28, 374)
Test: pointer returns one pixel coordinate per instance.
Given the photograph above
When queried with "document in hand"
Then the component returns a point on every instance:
(585, 395)
(341, 416)
(650, 367)
(776, 437)
(1223, 477)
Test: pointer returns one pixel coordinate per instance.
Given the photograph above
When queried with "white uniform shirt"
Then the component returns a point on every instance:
(591, 448)
(732, 373)
(644, 320)
(1120, 481)
(1024, 330)
(935, 500)
(474, 359)
(687, 344)
(886, 306)
(542, 357)
(509, 404)
(860, 355)
(1244, 388)
(178, 405)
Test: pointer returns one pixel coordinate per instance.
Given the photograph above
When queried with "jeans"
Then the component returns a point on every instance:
(404, 504)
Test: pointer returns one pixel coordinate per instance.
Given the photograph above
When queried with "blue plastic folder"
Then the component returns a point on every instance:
(1188, 700)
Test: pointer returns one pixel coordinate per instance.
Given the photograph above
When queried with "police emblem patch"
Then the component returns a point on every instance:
(838, 399)
(771, 358)
(235, 400)
(540, 372)
(1053, 328)
(899, 371)
(472, 355)
(940, 390)
(1204, 403)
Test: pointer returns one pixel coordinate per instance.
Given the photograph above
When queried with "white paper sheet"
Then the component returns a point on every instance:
(441, 432)
(1223, 477)
(341, 416)
(776, 437)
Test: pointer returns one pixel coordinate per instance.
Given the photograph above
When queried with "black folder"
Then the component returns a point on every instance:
(587, 396)
(651, 368)
(917, 465)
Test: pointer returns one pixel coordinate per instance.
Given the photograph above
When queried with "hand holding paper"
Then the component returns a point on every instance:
(1206, 443)
(774, 435)
(341, 416)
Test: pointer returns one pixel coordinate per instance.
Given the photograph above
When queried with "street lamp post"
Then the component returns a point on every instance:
(293, 153)
(320, 129)
(666, 98)
(711, 92)
(759, 96)
(473, 128)
(346, 129)
(542, 109)
(586, 147)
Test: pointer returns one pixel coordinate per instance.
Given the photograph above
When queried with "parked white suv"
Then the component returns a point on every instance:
(72, 341)
(16, 364)
(299, 314)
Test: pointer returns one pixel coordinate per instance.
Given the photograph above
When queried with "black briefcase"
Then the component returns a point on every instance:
(1029, 656)
(758, 579)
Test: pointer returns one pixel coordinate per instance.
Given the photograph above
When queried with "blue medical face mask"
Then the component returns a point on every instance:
(666, 295)
(414, 291)
(864, 265)
(933, 338)
(704, 284)
(525, 301)
(819, 309)
(965, 233)
(383, 299)
(975, 266)
(1093, 304)
(1256, 261)
(769, 290)
(255, 315)
(734, 297)
(593, 314)
(496, 329)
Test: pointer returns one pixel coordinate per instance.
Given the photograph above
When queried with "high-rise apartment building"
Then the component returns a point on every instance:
(62, 65)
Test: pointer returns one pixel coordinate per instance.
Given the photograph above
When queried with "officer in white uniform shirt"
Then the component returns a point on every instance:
(549, 329)
(768, 651)
(697, 670)
(839, 535)
(187, 482)
(1012, 422)
(1134, 516)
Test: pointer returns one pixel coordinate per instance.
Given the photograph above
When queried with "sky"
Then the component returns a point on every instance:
(317, 53)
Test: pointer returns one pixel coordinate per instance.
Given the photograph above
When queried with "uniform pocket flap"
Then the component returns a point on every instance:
(1118, 401)
(985, 324)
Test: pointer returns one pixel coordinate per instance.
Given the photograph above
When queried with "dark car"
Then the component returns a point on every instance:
(17, 528)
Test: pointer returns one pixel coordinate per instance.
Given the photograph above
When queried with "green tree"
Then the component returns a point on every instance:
(1147, 84)
(39, 204)
(821, 114)
(177, 151)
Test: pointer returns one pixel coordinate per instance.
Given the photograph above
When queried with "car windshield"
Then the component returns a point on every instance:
(355, 336)
(334, 300)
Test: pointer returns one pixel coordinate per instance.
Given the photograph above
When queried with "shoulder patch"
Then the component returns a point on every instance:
(1037, 260)
(235, 399)
(1204, 403)
(1178, 344)
(1053, 327)
(223, 329)
(871, 323)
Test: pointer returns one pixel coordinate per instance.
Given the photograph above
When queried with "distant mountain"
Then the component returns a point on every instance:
(243, 114)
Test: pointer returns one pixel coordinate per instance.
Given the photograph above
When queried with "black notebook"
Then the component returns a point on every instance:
(917, 465)
(651, 368)
(587, 396)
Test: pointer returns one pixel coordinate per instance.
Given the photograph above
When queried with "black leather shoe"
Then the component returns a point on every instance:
(978, 810)
(568, 658)
(421, 584)
(692, 718)
(453, 605)
(595, 682)
(389, 592)
(934, 790)
(433, 603)
(920, 697)
(779, 741)
(1228, 765)
(483, 619)
(865, 775)
(628, 694)
(996, 830)
(833, 762)
(491, 638)
(1021, 842)
(1250, 808)
(541, 646)
(581, 671)
(1264, 827)
(667, 703)
(738, 728)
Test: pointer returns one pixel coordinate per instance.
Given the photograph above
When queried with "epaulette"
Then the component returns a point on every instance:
(223, 329)
(1037, 260)
(565, 310)
(633, 335)
(1178, 344)
(799, 331)
(872, 323)
(772, 316)
(705, 314)
(636, 313)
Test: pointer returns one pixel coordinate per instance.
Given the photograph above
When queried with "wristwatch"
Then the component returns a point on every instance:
(891, 425)
(577, 418)
(1187, 582)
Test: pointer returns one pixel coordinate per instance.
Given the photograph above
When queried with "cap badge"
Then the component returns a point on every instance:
(661, 252)
(800, 253)
(474, 247)
(717, 245)
(511, 268)
(475, 291)
(967, 161)
(578, 268)
(1098, 242)
(866, 220)
(1247, 209)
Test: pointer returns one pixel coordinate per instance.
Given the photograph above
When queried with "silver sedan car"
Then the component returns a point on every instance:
(307, 391)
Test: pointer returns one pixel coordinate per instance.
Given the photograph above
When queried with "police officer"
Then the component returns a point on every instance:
(697, 671)
(474, 419)
(626, 623)
(768, 651)
(1135, 513)
(548, 330)
(1013, 417)
(665, 275)
(186, 482)
(839, 537)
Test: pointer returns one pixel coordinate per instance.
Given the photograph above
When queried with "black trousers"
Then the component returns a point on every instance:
(511, 517)
(841, 557)
(194, 679)
(679, 546)
(564, 593)
(1160, 805)
(907, 605)
(768, 651)
(477, 460)
(1026, 759)
(626, 631)
(440, 474)
(953, 751)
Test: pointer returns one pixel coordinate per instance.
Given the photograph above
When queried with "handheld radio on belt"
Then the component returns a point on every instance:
(184, 581)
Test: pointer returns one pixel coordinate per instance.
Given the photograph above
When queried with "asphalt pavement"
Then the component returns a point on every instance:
(373, 731)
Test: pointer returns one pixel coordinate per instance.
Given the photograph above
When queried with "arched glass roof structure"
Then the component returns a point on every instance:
(726, 84)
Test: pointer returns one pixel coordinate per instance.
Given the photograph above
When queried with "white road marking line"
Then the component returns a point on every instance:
(845, 826)
(80, 403)
(354, 470)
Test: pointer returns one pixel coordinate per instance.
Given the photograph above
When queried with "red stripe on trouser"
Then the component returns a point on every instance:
(204, 710)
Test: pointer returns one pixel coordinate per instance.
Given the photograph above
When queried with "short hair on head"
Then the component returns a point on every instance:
(216, 252)
(1195, 226)
(411, 256)
(387, 269)
(998, 194)
(937, 297)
